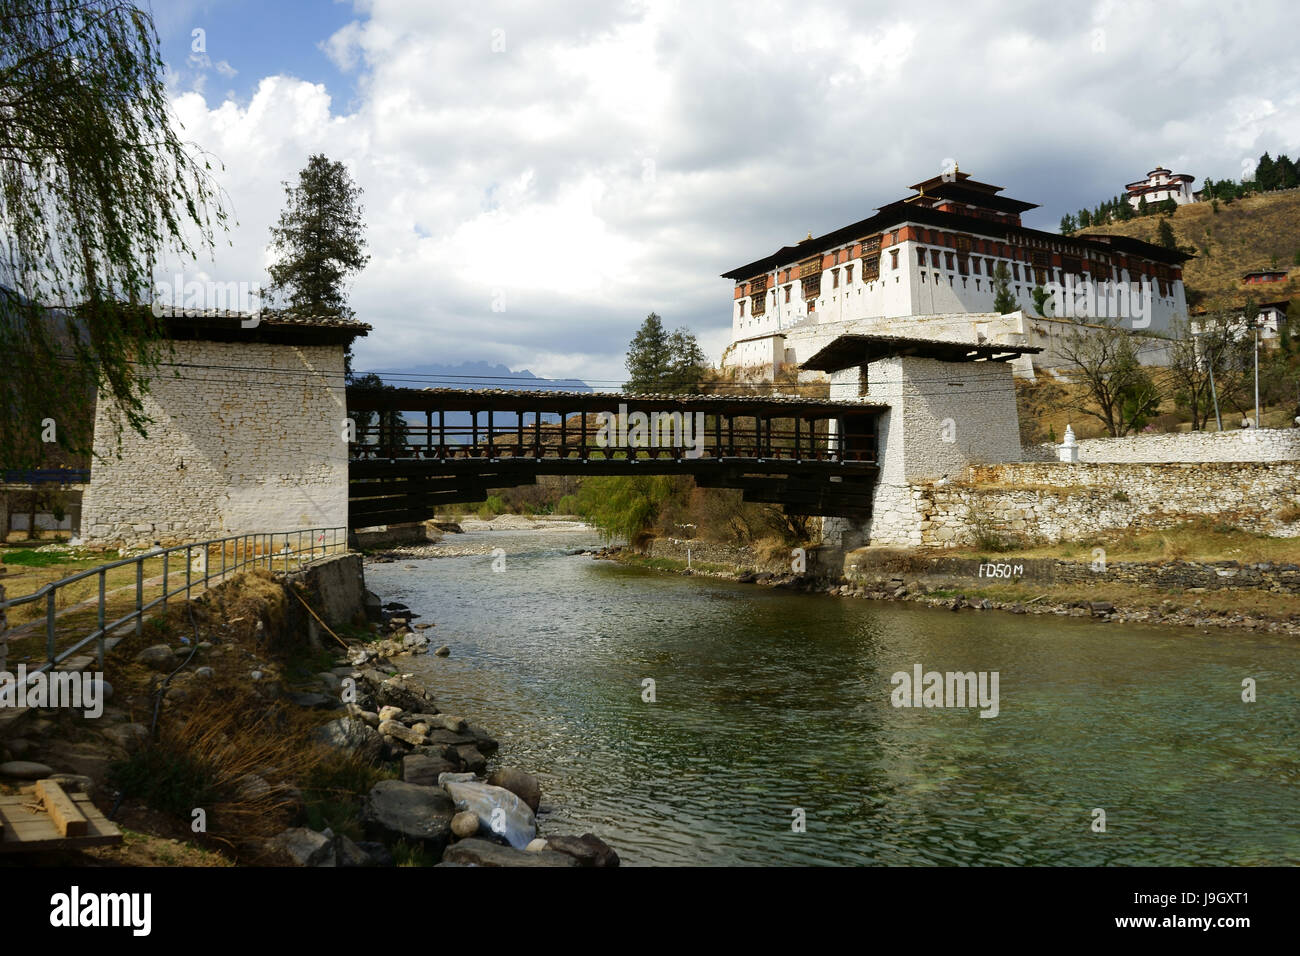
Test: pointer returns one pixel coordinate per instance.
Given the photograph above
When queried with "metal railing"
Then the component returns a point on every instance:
(244, 550)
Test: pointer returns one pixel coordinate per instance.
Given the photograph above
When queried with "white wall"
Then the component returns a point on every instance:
(229, 451)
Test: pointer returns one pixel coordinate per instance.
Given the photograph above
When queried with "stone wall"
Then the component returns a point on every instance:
(1247, 444)
(229, 451)
(1054, 501)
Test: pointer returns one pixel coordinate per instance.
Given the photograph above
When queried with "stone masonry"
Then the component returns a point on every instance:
(233, 448)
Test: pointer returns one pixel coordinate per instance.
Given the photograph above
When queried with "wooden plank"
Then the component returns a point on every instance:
(26, 827)
(69, 820)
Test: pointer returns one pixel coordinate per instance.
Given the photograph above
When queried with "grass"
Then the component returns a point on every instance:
(1243, 236)
(334, 789)
(1201, 540)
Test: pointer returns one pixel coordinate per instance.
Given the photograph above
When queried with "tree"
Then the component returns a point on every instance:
(1068, 224)
(1143, 207)
(659, 361)
(1003, 300)
(96, 188)
(320, 241)
(1115, 389)
(1165, 235)
(392, 429)
(1041, 297)
(1193, 354)
(1265, 173)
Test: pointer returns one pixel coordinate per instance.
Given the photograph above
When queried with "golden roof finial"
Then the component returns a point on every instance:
(809, 236)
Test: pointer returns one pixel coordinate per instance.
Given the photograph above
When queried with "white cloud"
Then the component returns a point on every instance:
(614, 159)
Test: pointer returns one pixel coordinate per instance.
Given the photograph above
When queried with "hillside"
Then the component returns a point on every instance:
(1243, 236)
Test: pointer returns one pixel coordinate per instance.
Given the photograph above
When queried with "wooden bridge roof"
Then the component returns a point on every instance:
(508, 400)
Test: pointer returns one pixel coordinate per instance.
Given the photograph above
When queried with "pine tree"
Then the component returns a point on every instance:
(659, 361)
(1165, 235)
(320, 241)
(1266, 173)
(1003, 300)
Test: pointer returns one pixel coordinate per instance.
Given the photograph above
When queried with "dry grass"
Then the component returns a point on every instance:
(1243, 236)
(1203, 539)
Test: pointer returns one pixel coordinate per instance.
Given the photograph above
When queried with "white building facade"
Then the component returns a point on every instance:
(1161, 184)
(931, 256)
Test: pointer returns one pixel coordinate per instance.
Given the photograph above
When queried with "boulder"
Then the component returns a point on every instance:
(479, 852)
(350, 854)
(378, 853)
(482, 739)
(471, 759)
(391, 728)
(351, 736)
(305, 847)
(587, 850)
(313, 701)
(523, 785)
(423, 769)
(389, 713)
(465, 824)
(443, 651)
(407, 695)
(499, 811)
(536, 846)
(128, 736)
(25, 770)
(159, 657)
(396, 810)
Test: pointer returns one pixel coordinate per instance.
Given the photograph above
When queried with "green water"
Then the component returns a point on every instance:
(768, 702)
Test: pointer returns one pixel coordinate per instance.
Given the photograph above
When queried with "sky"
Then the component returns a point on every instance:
(538, 177)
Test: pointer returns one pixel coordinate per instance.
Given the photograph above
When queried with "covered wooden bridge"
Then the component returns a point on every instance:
(419, 450)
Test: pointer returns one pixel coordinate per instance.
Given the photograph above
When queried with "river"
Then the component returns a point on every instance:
(771, 707)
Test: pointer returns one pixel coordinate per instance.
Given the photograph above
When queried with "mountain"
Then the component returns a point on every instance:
(1242, 236)
(476, 375)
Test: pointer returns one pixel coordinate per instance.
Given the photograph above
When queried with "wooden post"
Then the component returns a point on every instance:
(489, 434)
(442, 433)
(583, 435)
(564, 440)
(67, 818)
(797, 455)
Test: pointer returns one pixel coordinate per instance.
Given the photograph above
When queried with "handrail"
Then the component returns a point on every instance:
(257, 548)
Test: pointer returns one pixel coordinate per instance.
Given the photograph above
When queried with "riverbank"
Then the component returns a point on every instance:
(1226, 594)
(270, 722)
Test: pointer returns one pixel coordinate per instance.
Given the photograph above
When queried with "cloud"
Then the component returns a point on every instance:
(590, 163)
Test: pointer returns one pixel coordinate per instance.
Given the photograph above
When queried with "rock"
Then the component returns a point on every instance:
(373, 606)
(457, 725)
(424, 769)
(1101, 607)
(479, 852)
(536, 846)
(482, 740)
(588, 849)
(421, 729)
(399, 731)
(351, 736)
(423, 626)
(443, 651)
(396, 810)
(159, 657)
(464, 825)
(389, 713)
(332, 682)
(378, 853)
(25, 770)
(523, 785)
(499, 811)
(395, 749)
(350, 854)
(128, 736)
(446, 778)
(204, 673)
(99, 689)
(305, 847)
(404, 694)
(19, 748)
(471, 758)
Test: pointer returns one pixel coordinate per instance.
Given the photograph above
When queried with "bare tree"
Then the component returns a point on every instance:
(1115, 388)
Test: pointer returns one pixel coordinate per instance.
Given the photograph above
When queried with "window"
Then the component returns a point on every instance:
(871, 267)
(1015, 271)
(835, 278)
(893, 258)
(975, 267)
(742, 308)
(948, 257)
(812, 286)
(963, 265)
(759, 306)
(848, 275)
(989, 263)
(920, 258)
(787, 293)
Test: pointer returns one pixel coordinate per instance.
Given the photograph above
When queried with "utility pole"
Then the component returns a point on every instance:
(1255, 324)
